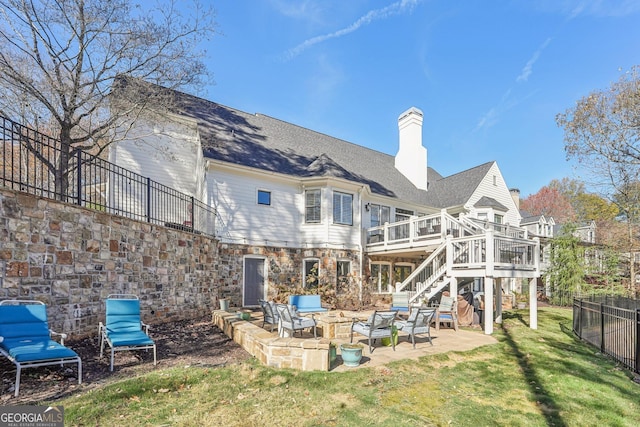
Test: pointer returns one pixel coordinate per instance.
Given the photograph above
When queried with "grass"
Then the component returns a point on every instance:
(530, 378)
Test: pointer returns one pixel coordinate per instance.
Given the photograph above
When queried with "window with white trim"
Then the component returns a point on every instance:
(264, 197)
(310, 274)
(379, 215)
(343, 268)
(380, 275)
(312, 200)
(342, 208)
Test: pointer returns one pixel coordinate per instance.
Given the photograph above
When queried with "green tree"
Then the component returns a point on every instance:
(60, 58)
(591, 207)
(567, 268)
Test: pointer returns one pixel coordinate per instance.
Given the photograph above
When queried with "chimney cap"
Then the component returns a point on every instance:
(409, 112)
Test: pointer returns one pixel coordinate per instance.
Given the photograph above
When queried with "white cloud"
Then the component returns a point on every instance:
(528, 68)
(396, 8)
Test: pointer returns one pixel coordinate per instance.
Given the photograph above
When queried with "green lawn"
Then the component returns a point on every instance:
(531, 378)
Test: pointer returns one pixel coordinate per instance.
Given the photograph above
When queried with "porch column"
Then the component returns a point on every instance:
(533, 303)
(453, 287)
(499, 300)
(488, 305)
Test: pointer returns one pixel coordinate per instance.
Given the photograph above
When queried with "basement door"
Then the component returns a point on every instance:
(254, 275)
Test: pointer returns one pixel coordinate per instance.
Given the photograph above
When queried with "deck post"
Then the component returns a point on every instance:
(453, 287)
(533, 303)
(488, 305)
(499, 300)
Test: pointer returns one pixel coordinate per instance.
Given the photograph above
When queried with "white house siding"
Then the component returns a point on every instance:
(168, 153)
(499, 192)
(243, 220)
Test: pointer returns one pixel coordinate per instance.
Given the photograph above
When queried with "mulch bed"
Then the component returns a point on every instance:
(183, 343)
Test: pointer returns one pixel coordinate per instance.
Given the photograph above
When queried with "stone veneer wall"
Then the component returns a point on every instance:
(305, 354)
(71, 258)
(284, 266)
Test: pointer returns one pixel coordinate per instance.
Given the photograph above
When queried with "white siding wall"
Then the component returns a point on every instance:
(167, 152)
(242, 219)
(499, 192)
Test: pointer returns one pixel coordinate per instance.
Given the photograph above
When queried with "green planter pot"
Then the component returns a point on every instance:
(394, 335)
(351, 354)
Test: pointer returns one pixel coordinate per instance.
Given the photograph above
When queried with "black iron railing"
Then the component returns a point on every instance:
(612, 325)
(38, 164)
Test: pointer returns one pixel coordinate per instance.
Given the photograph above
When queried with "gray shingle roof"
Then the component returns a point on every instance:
(455, 190)
(263, 142)
(490, 202)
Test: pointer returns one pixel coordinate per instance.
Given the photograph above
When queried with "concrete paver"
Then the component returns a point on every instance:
(444, 341)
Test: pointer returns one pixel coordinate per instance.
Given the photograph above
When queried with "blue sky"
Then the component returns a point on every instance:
(490, 76)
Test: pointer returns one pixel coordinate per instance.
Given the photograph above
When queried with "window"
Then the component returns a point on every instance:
(343, 268)
(380, 277)
(312, 206)
(400, 273)
(264, 197)
(311, 273)
(342, 208)
(498, 219)
(380, 215)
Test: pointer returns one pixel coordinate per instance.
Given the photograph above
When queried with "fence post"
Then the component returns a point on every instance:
(602, 346)
(637, 368)
(79, 177)
(193, 207)
(148, 199)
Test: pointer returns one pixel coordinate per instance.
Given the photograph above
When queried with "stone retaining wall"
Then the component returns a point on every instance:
(308, 354)
(71, 258)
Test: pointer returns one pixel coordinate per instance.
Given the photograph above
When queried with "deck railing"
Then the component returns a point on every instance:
(30, 162)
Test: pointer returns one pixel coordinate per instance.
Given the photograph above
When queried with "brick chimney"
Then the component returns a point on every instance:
(411, 159)
(515, 195)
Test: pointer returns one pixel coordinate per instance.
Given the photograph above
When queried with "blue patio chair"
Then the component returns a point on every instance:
(25, 338)
(379, 325)
(123, 328)
(419, 322)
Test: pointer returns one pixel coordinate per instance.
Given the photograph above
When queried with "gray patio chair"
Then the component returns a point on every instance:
(270, 315)
(379, 325)
(418, 323)
(291, 321)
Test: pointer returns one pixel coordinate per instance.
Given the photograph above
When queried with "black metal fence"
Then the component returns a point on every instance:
(613, 325)
(38, 164)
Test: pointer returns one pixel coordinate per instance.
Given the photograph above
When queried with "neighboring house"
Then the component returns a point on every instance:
(297, 206)
(538, 225)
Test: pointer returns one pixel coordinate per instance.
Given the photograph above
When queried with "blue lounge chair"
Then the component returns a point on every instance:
(123, 329)
(25, 338)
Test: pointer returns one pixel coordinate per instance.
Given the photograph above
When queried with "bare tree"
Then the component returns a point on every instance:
(602, 132)
(60, 59)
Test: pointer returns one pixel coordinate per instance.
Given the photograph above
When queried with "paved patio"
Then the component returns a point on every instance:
(445, 340)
